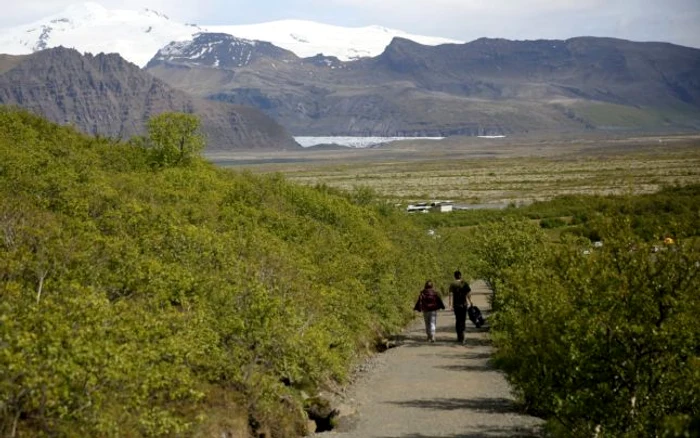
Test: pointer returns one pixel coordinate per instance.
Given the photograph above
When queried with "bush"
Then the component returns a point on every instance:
(553, 222)
(136, 302)
(503, 246)
(605, 343)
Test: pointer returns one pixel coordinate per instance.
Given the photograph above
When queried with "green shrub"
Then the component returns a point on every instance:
(605, 340)
(139, 302)
(553, 222)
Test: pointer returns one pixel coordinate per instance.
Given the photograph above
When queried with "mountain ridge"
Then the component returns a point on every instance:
(399, 86)
(485, 87)
(109, 96)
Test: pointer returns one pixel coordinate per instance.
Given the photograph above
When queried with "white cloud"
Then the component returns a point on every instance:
(505, 7)
(30, 10)
(645, 20)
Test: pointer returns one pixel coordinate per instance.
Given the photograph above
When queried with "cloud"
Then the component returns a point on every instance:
(645, 20)
(502, 7)
(27, 11)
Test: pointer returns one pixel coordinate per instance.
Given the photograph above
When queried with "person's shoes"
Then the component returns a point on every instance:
(431, 339)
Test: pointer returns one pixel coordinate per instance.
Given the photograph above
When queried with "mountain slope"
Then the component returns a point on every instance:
(138, 35)
(109, 96)
(602, 69)
(484, 87)
(220, 50)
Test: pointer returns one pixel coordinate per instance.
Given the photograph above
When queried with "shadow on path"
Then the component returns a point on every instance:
(485, 432)
(467, 367)
(419, 341)
(488, 405)
(470, 329)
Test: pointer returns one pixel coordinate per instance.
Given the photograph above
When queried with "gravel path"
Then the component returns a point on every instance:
(421, 390)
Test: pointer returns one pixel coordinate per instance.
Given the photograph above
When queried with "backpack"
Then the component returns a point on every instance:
(428, 302)
(460, 296)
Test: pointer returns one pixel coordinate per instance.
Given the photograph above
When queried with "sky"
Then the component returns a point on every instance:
(676, 21)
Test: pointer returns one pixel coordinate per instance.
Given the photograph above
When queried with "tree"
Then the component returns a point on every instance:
(175, 138)
(504, 245)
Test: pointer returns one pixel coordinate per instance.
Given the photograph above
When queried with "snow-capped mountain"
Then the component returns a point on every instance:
(138, 35)
(219, 50)
(90, 28)
(307, 38)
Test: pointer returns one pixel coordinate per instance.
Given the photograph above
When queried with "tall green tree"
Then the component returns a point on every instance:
(175, 138)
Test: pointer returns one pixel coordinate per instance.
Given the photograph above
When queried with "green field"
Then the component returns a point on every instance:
(497, 172)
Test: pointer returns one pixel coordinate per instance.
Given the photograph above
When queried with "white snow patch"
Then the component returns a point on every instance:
(355, 142)
(90, 27)
(308, 38)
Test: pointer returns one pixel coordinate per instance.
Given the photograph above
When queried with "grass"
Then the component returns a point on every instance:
(503, 179)
(473, 171)
(614, 116)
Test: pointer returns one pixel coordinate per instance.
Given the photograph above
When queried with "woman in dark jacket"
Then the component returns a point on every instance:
(429, 302)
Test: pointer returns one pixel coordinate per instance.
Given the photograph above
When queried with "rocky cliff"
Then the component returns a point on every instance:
(106, 95)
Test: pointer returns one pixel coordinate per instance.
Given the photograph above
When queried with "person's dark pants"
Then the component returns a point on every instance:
(460, 321)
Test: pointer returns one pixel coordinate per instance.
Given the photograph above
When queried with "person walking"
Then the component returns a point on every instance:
(460, 299)
(429, 302)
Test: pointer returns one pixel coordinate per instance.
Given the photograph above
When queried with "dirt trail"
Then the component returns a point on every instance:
(421, 390)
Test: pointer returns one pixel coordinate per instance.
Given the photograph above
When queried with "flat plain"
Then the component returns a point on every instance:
(497, 171)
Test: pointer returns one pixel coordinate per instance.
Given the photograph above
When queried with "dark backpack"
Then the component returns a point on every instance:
(429, 300)
(460, 296)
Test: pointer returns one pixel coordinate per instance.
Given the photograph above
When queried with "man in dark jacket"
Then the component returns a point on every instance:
(429, 302)
(460, 297)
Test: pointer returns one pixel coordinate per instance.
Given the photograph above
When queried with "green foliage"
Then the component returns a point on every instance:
(600, 340)
(503, 246)
(456, 251)
(606, 341)
(175, 139)
(673, 211)
(131, 300)
(553, 222)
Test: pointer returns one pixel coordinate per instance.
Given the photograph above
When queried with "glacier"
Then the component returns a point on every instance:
(138, 35)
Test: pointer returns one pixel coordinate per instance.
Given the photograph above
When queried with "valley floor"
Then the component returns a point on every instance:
(444, 389)
(489, 171)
